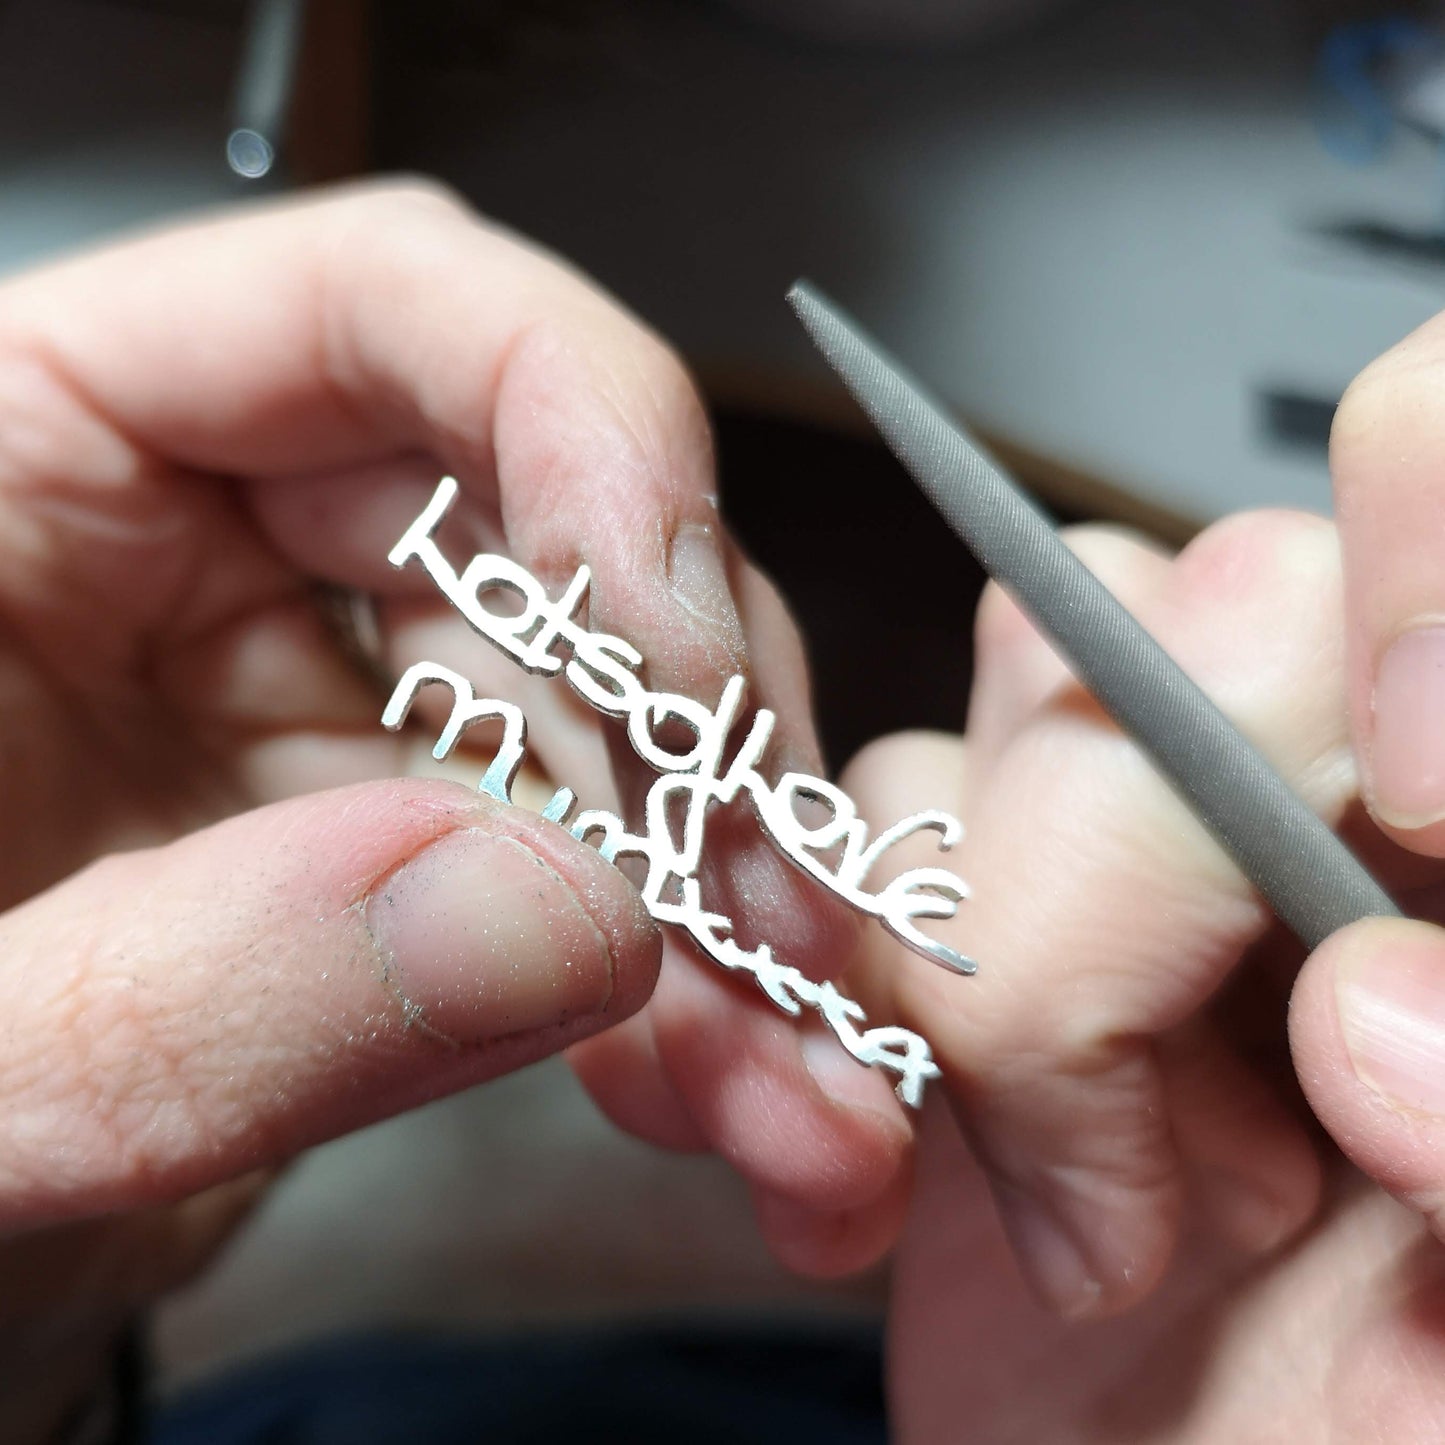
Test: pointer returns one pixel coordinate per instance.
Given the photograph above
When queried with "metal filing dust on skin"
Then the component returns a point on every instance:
(833, 849)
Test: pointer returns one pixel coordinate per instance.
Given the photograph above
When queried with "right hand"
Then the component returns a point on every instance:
(1148, 1236)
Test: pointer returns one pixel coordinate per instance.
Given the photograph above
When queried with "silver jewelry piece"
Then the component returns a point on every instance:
(603, 671)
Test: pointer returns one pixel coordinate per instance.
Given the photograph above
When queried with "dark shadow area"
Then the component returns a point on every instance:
(1381, 240)
(884, 593)
(621, 1386)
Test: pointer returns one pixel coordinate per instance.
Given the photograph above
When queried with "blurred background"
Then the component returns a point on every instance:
(1141, 245)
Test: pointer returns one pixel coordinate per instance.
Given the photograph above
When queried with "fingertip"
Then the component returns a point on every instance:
(632, 936)
(739, 1069)
(1260, 1214)
(1252, 1175)
(279, 978)
(505, 925)
(1384, 460)
(1368, 1012)
(851, 1086)
(1050, 1258)
(1427, 839)
(624, 1077)
(905, 772)
(830, 1244)
(1367, 1028)
(1083, 1260)
(588, 400)
(1403, 759)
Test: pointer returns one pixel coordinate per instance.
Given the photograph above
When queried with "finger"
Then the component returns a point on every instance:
(907, 773)
(1251, 1171)
(296, 345)
(179, 1016)
(786, 1105)
(890, 778)
(1246, 1164)
(1103, 916)
(823, 1211)
(380, 321)
(1015, 668)
(832, 1244)
(744, 874)
(1385, 454)
(622, 1072)
(1367, 1026)
(779, 1100)
(393, 323)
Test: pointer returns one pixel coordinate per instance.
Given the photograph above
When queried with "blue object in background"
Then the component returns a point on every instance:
(1355, 111)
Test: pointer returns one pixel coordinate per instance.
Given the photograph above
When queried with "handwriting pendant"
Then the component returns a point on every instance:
(544, 637)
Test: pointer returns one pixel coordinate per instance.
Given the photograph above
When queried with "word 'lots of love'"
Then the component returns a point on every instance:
(544, 637)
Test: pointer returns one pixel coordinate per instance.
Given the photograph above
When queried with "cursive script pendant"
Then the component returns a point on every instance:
(544, 637)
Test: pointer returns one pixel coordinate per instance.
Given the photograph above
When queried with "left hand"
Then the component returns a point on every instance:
(195, 429)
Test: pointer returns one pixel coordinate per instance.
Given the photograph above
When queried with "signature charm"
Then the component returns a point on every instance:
(603, 671)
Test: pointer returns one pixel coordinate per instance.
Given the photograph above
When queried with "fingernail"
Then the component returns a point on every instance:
(1391, 1003)
(699, 579)
(1053, 1264)
(840, 1076)
(1407, 750)
(481, 938)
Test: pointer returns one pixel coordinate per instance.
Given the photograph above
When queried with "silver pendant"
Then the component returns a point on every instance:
(544, 638)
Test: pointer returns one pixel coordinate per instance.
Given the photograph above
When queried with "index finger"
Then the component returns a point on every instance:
(304, 341)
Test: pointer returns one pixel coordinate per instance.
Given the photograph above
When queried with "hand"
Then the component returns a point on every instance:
(1149, 1237)
(193, 429)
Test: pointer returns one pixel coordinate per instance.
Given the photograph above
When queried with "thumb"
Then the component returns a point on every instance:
(177, 1016)
(1367, 1027)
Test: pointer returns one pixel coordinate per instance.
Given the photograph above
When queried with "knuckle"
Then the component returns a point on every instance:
(1251, 556)
(624, 357)
(390, 235)
(1257, 617)
(999, 623)
(648, 378)
(673, 392)
(1126, 562)
(1071, 1032)
(414, 197)
(624, 394)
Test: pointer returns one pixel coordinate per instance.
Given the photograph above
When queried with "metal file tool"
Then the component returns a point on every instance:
(1310, 879)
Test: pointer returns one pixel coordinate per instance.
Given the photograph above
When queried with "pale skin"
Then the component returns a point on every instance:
(1201, 1199)
(192, 429)
(195, 427)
